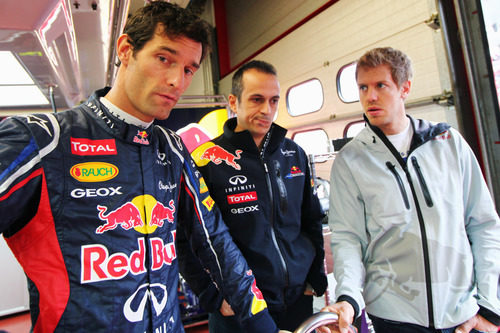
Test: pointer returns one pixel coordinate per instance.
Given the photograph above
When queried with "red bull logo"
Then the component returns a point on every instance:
(141, 137)
(127, 216)
(144, 214)
(97, 264)
(217, 155)
(258, 302)
(294, 172)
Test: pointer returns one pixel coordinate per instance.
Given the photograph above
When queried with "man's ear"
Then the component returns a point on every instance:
(405, 89)
(124, 49)
(233, 103)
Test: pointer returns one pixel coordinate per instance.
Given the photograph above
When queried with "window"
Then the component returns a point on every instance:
(353, 128)
(347, 88)
(313, 142)
(16, 85)
(305, 97)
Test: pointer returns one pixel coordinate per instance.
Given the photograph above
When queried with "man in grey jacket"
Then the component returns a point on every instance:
(416, 238)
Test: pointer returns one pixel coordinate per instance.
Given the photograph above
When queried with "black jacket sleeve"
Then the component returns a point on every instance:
(209, 239)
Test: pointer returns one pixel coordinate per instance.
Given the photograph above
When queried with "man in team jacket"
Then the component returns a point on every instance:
(262, 184)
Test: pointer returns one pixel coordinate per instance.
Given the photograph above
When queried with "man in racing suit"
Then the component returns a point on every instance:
(415, 233)
(91, 198)
(262, 184)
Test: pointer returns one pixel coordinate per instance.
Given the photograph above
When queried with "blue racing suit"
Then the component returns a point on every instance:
(90, 207)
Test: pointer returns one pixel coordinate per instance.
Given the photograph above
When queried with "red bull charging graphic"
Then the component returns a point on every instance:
(129, 216)
(210, 152)
(143, 214)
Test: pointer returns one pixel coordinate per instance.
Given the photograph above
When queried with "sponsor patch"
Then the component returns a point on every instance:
(287, 153)
(294, 172)
(443, 136)
(97, 264)
(209, 203)
(85, 147)
(243, 210)
(241, 197)
(238, 180)
(32, 119)
(143, 214)
(203, 186)
(92, 172)
(217, 155)
(95, 192)
(258, 302)
(141, 137)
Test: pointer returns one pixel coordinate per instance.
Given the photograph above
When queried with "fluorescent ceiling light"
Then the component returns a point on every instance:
(21, 95)
(17, 88)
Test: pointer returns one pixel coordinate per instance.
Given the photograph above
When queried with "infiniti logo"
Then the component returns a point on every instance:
(238, 179)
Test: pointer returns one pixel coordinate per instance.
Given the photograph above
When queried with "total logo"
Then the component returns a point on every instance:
(243, 210)
(93, 171)
(98, 265)
(86, 147)
(144, 214)
(241, 197)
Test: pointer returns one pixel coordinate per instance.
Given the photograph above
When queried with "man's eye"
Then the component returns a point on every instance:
(362, 88)
(189, 71)
(381, 85)
(162, 59)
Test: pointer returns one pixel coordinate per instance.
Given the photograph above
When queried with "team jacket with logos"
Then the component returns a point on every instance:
(90, 206)
(418, 241)
(274, 216)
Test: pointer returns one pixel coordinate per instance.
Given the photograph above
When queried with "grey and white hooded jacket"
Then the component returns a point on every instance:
(416, 240)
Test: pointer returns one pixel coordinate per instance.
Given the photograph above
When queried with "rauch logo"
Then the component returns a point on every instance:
(93, 171)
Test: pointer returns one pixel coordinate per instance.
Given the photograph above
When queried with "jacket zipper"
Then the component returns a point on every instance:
(392, 168)
(271, 220)
(273, 234)
(425, 250)
(423, 184)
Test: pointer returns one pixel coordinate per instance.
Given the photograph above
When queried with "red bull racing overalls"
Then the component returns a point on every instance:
(90, 206)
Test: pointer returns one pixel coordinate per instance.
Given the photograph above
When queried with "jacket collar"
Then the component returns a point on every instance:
(245, 140)
(113, 125)
(423, 130)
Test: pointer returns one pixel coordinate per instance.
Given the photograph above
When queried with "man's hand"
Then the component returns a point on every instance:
(477, 322)
(225, 309)
(345, 312)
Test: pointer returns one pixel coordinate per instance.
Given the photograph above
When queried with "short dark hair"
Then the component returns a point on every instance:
(400, 63)
(261, 66)
(176, 22)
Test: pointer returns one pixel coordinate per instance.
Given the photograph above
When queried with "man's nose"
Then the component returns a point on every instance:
(372, 94)
(175, 77)
(267, 108)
